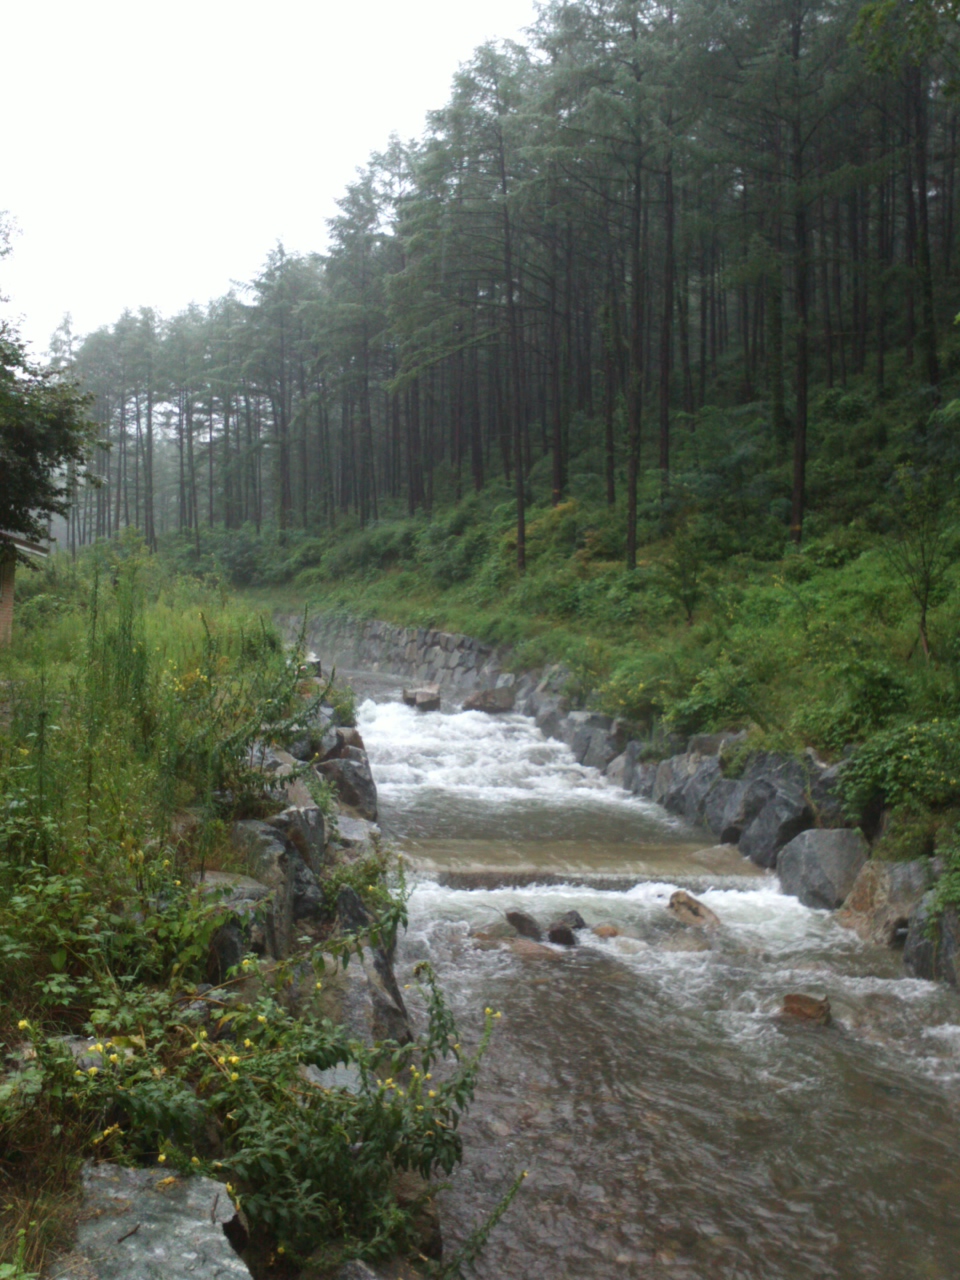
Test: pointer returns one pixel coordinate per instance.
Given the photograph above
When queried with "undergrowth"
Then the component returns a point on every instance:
(133, 707)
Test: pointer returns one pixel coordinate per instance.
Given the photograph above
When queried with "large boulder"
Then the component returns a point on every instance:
(389, 1019)
(715, 804)
(595, 739)
(744, 802)
(492, 701)
(693, 798)
(932, 947)
(783, 817)
(672, 777)
(275, 862)
(353, 782)
(883, 898)
(821, 867)
(304, 827)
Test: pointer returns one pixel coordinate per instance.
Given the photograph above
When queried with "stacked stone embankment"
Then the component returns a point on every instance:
(777, 809)
(454, 661)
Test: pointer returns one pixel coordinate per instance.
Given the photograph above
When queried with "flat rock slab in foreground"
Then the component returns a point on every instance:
(145, 1224)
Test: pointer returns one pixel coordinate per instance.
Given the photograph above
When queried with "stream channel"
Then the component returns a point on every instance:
(671, 1124)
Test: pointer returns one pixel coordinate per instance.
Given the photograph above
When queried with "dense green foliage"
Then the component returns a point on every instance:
(653, 250)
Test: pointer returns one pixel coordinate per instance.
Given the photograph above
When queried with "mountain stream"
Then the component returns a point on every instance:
(672, 1125)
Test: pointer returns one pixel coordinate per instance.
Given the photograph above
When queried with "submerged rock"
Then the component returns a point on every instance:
(688, 910)
(685, 941)
(606, 931)
(488, 937)
(145, 1224)
(821, 867)
(531, 950)
(525, 925)
(803, 1008)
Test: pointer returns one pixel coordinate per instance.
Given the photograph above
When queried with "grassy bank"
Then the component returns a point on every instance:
(128, 706)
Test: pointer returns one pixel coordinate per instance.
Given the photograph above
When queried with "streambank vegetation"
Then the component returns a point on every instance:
(132, 708)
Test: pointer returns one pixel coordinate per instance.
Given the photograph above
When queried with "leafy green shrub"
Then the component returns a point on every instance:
(860, 696)
(308, 1165)
(449, 553)
(378, 547)
(914, 767)
(723, 696)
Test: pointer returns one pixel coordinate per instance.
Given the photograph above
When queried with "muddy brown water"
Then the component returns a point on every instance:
(671, 1124)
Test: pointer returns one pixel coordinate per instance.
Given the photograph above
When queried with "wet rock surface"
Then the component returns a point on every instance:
(352, 779)
(798, 1007)
(932, 947)
(492, 701)
(821, 867)
(525, 925)
(145, 1224)
(689, 911)
(884, 897)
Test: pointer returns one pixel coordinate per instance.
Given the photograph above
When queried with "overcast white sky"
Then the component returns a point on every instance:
(154, 152)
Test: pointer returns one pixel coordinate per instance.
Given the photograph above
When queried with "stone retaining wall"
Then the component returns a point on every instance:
(455, 662)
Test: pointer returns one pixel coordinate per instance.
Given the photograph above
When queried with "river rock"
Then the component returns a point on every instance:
(691, 802)
(242, 933)
(271, 760)
(644, 779)
(715, 804)
(389, 1019)
(427, 690)
(561, 934)
(803, 1008)
(574, 919)
(932, 948)
(688, 910)
(525, 925)
(356, 833)
(494, 930)
(428, 702)
(821, 867)
(272, 860)
(146, 1224)
(354, 784)
(688, 940)
(304, 827)
(784, 816)
(491, 701)
(606, 931)
(883, 898)
(616, 771)
(673, 775)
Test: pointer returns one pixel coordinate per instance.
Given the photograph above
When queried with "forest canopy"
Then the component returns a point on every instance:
(648, 242)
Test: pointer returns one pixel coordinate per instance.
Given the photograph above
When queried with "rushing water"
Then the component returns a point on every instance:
(672, 1125)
